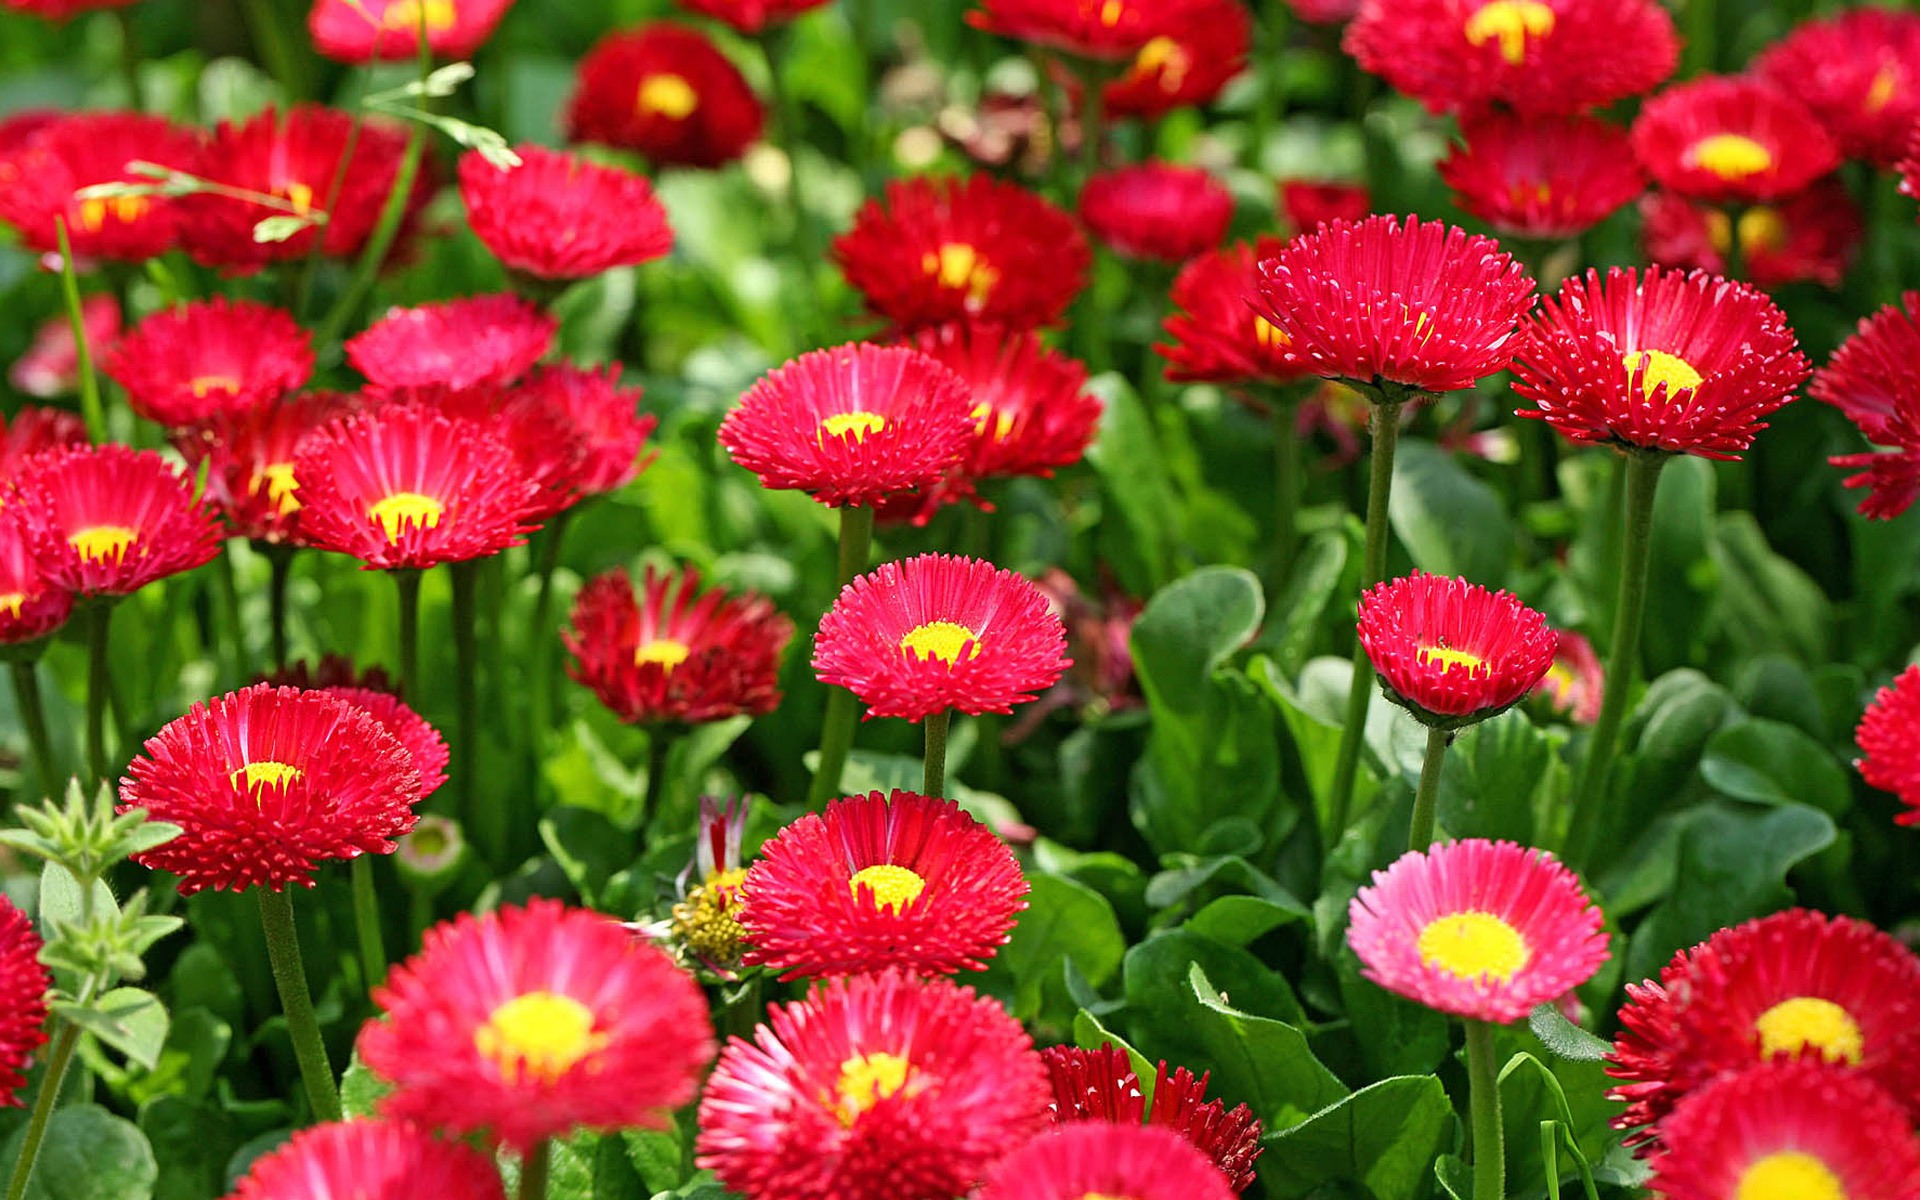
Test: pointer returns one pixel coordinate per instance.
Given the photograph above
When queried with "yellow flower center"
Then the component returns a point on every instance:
(12, 603)
(1168, 58)
(866, 1080)
(1761, 228)
(1269, 335)
(205, 385)
(1803, 1021)
(1525, 192)
(95, 213)
(278, 479)
(668, 96)
(1731, 156)
(708, 920)
(961, 267)
(894, 887)
(940, 639)
(1473, 945)
(1511, 23)
(1111, 12)
(1446, 658)
(1789, 1175)
(1885, 86)
(403, 16)
(1658, 367)
(987, 424)
(538, 1036)
(405, 510)
(857, 424)
(300, 196)
(1559, 681)
(103, 542)
(665, 651)
(265, 774)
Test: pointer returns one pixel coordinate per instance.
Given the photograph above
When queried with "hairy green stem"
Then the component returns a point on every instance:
(98, 617)
(290, 977)
(534, 1169)
(1489, 1137)
(1426, 801)
(366, 922)
(1735, 259)
(90, 407)
(934, 775)
(836, 727)
(660, 741)
(33, 715)
(58, 1060)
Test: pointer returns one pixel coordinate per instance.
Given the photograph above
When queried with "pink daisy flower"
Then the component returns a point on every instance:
(453, 344)
(1095, 1159)
(369, 1160)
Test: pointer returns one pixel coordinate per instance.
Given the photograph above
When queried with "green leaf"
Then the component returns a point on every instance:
(1383, 1137)
(1063, 919)
(1766, 762)
(1263, 1062)
(588, 847)
(1395, 1036)
(1242, 920)
(1490, 777)
(88, 1154)
(1311, 587)
(1682, 579)
(1127, 457)
(1767, 603)
(1160, 1004)
(1564, 1038)
(62, 904)
(280, 228)
(360, 1089)
(1189, 629)
(1449, 521)
(655, 1156)
(130, 1020)
(192, 1143)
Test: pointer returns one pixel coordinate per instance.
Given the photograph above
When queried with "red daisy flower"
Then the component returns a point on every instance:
(1217, 336)
(1796, 983)
(1575, 684)
(1154, 210)
(1423, 306)
(1546, 179)
(51, 365)
(939, 250)
(108, 520)
(1788, 1131)
(18, 128)
(1325, 12)
(936, 632)
(38, 182)
(408, 487)
(426, 750)
(1190, 68)
(530, 1023)
(752, 16)
(1031, 412)
(1310, 203)
(1731, 140)
(1097, 1159)
(879, 1087)
(30, 606)
(358, 31)
(1688, 364)
(369, 1160)
(560, 216)
(34, 429)
(1099, 29)
(667, 92)
(605, 417)
(904, 880)
(1483, 930)
(852, 425)
(267, 783)
(185, 366)
(548, 449)
(1858, 72)
(250, 458)
(454, 344)
(1543, 57)
(1889, 739)
(676, 654)
(1100, 1085)
(1871, 379)
(24, 984)
(295, 156)
(1450, 652)
(1809, 237)
(61, 10)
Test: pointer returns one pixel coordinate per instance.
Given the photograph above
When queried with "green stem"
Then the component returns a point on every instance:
(58, 1059)
(1735, 259)
(1386, 438)
(406, 581)
(290, 977)
(1489, 1149)
(533, 1171)
(90, 408)
(1426, 801)
(836, 728)
(366, 922)
(33, 714)
(490, 826)
(1288, 484)
(99, 683)
(934, 776)
(1702, 27)
(280, 560)
(1623, 654)
(660, 740)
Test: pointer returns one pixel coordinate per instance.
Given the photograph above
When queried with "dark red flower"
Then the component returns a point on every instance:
(250, 457)
(108, 520)
(1100, 1085)
(604, 417)
(1871, 379)
(1099, 29)
(1310, 203)
(30, 606)
(667, 92)
(24, 984)
(752, 16)
(1731, 140)
(1031, 412)
(939, 250)
(369, 1160)
(1157, 211)
(39, 179)
(1217, 335)
(358, 31)
(1889, 740)
(51, 366)
(1545, 179)
(1452, 652)
(183, 367)
(454, 344)
(1858, 72)
(1810, 237)
(561, 216)
(1189, 67)
(34, 429)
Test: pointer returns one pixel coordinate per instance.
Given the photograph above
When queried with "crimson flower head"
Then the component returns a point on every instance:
(1217, 335)
(1889, 740)
(1310, 203)
(39, 179)
(109, 520)
(1096, 1159)
(250, 459)
(1417, 306)
(878, 1087)
(61, 10)
(24, 984)
(295, 157)
(453, 344)
(185, 366)
(1871, 379)
(1794, 1130)
(667, 92)
(1731, 140)
(752, 16)
(1858, 72)
(1110, 30)
(1575, 684)
(549, 451)
(1547, 179)
(1450, 652)
(1686, 364)
(934, 251)
(34, 429)
(604, 417)
(1031, 412)
(369, 1160)
(359, 31)
(1541, 57)
(852, 425)
(375, 694)
(1795, 984)
(31, 607)
(1157, 211)
(1482, 930)
(1810, 237)
(51, 365)
(560, 216)
(1100, 1085)
(408, 487)
(675, 654)
(1189, 67)
(900, 880)
(530, 1023)
(266, 784)
(936, 632)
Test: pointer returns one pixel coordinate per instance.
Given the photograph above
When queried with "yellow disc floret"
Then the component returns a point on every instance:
(707, 922)
(1656, 367)
(102, 543)
(856, 425)
(866, 1080)
(1511, 23)
(1809, 1021)
(1474, 945)
(1446, 659)
(943, 640)
(1731, 156)
(404, 509)
(668, 96)
(403, 16)
(1789, 1175)
(894, 887)
(265, 774)
(538, 1036)
(962, 268)
(667, 652)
